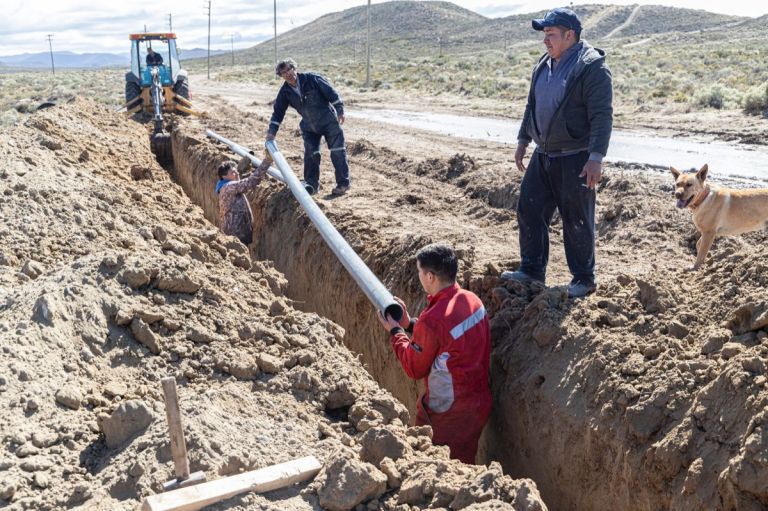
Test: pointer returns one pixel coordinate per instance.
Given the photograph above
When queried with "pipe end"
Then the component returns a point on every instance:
(394, 311)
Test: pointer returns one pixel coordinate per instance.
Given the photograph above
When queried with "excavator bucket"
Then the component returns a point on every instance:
(160, 143)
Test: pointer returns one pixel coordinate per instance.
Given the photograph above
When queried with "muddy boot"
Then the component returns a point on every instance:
(340, 190)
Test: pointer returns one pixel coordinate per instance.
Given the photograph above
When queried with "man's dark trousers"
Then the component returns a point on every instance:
(551, 183)
(334, 137)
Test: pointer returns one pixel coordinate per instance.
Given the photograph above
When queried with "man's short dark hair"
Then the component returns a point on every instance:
(224, 168)
(284, 65)
(563, 30)
(440, 260)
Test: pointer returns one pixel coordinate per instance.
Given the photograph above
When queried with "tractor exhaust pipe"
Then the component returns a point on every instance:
(374, 290)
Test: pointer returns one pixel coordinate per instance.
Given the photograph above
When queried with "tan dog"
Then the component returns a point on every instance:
(719, 212)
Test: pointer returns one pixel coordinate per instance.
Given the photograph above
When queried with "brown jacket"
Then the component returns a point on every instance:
(235, 216)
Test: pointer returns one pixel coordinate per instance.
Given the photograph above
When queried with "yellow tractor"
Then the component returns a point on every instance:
(156, 85)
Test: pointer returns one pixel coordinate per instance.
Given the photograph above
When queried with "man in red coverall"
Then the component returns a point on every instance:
(450, 348)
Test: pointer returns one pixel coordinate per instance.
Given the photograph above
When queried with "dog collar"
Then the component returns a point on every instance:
(699, 198)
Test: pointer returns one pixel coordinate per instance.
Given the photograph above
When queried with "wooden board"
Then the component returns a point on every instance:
(262, 480)
(175, 428)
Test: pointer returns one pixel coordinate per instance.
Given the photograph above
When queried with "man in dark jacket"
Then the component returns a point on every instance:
(322, 114)
(570, 117)
(154, 58)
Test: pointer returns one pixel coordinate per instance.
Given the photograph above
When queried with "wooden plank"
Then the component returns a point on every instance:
(262, 480)
(175, 429)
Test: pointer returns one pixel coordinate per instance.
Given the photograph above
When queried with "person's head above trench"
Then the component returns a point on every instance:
(228, 171)
(437, 265)
(562, 29)
(286, 69)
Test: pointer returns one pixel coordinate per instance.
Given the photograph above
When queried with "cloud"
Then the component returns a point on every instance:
(80, 25)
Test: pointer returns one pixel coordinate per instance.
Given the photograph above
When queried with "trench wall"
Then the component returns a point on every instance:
(317, 281)
(551, 420)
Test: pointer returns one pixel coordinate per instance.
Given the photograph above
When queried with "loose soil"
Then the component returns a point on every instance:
(650, 394)
(110, 279)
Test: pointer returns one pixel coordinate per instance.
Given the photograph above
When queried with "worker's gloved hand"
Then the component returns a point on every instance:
(405, 321)
(243, 165)
(265, 163)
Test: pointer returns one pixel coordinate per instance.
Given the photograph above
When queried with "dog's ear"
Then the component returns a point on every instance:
(701, 175)
(675, 172)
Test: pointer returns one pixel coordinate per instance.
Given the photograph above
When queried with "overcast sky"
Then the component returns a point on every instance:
(80, 25)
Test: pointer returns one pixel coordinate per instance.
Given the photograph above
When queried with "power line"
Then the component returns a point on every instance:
(50, 47)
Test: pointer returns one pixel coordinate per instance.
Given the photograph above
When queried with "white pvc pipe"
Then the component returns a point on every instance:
(378, 295)
(242, 151)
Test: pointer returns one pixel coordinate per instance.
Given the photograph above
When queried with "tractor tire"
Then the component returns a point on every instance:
(132, 93)
(182, 89)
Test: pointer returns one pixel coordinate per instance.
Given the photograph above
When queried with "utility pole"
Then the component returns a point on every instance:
(50, 47)
(209, 39)
(170, 22)
(368, 47)
(232, 42)
(274, 5)
(440, 46)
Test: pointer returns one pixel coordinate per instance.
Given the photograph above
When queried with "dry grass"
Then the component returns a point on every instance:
(22, 92)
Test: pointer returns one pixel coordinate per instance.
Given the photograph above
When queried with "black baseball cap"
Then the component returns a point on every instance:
(561, 17)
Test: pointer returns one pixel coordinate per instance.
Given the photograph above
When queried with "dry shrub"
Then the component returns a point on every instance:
(755, 101)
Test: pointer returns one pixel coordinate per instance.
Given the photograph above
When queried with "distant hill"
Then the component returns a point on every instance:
(65, 59)
(70, 60)
(198, 53)
(407, 29)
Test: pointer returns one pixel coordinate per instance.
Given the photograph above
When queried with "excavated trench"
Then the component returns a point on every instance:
(552, 421)
(318, 282)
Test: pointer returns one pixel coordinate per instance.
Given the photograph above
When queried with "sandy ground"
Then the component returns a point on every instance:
(110, 279)
(650, 394)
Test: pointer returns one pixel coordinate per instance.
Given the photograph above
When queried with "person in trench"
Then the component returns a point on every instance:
(322, 114)
(450, 347)
(235, 215)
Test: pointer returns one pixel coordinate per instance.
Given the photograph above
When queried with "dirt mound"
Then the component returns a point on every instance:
(108, 284)
(671, 368)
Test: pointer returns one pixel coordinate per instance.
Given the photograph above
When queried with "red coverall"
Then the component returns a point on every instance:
(451, 349)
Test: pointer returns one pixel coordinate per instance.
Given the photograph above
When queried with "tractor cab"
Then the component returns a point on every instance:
(163, 45)
(155, 63)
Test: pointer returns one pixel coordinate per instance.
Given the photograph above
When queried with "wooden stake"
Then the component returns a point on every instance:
(175, 429)
(262, 480)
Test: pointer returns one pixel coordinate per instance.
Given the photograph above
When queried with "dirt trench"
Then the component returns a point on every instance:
(110, 279)
(317, 281)
(612, 402)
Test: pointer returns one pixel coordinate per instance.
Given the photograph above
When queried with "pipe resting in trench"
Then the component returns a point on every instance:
(374, 290)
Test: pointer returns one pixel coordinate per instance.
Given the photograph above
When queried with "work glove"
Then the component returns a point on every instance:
(265, 163)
